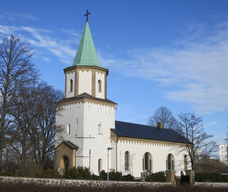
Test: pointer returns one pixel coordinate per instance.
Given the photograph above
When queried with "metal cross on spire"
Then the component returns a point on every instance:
(87, 14)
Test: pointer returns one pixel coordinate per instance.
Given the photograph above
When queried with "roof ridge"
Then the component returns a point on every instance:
(143, 125)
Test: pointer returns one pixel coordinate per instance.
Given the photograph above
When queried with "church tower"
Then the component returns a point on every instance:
(87, 115)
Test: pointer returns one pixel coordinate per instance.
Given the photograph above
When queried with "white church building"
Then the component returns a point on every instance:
(90, 130)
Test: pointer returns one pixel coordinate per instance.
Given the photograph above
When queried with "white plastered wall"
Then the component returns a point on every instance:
(85, 82)
(72, 114)
(94, 114)
(84, 119)
(101, 77)
(159, 153)
(70, 76)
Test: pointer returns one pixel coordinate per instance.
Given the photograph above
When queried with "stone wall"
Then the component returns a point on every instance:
(71, 182)
(211, 184)
(95, 183)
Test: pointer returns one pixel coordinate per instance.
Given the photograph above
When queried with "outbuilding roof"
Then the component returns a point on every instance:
(125, 129)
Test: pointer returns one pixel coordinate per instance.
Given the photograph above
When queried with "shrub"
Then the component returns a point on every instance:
(113, 176)
(7, 174)
(127, 177)
(95, 177)
(49, 173)
(85, 172)
(103, 175)
(158, 177)
(22, 173)
(211, 177)
(77, 173)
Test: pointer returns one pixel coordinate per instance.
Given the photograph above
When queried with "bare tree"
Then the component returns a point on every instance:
(193, 130)
(25, 115)
(16, 70)
(34, 113)
(11, 160)
(165, 116)
(44, 134)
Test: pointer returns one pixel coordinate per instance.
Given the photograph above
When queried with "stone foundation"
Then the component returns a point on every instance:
(74, 182)
(97, 183)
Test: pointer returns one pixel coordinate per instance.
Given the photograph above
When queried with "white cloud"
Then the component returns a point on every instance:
(7, 29)
(18, 16)
(197, 72)
(45, 39)
(47, 59)
(210, 124)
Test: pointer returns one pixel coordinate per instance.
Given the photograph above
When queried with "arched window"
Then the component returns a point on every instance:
(99, 165)
(185, 162)
(126, 160)
(68, 129)
(100, 130)
(147, 161)
(71, 85)
(99, 85)
(170, 163)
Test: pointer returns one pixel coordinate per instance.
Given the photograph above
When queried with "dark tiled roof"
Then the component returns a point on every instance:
(85, 95)
(124, 129)
(69, 144)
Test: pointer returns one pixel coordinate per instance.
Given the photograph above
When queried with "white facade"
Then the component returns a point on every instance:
(85, 120)
(223, 153)
(85, 82)
(137, 148)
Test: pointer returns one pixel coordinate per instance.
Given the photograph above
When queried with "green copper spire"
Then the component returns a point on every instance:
(86, 53)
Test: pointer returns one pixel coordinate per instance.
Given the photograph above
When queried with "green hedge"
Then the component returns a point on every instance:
(127, 177)
(49, 173)
(156, 177)
(113, 176)
(77, 173)
(211, 177)
(7, 174)
(116, 176)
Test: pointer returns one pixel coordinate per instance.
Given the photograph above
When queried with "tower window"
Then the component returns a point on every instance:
(100, 131)
(68, 129)
(71, 85)
(99, 85)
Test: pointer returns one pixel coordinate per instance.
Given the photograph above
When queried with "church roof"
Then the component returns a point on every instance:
(125, 129)
(86, 54)
(85, 95)
(69, 144)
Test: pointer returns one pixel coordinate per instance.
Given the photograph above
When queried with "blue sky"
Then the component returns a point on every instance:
(159, 53)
